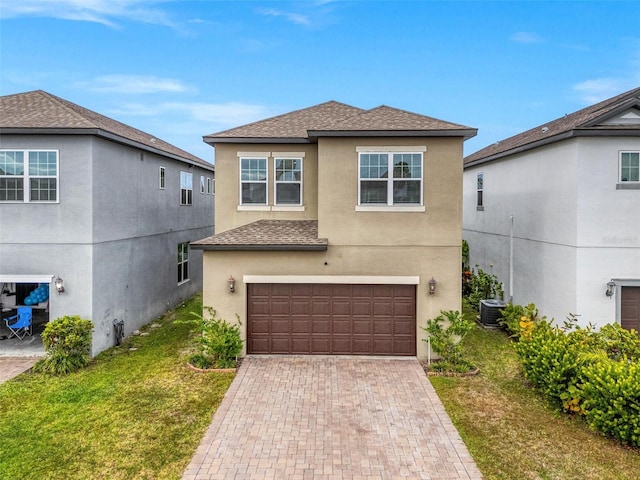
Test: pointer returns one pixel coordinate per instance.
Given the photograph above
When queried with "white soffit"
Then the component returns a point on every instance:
(26, 278)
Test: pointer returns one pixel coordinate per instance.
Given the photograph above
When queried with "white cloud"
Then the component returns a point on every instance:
(596, 90)
(134, 84)
(527, 37)
(211, 116)
(106, 12)
(296, 18)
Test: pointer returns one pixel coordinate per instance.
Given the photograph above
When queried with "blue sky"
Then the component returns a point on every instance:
(183, 69)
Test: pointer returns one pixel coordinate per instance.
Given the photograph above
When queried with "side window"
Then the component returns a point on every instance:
(186, 188)
(288, 181)
(253, 181)
(183, 262)
(208, 186)
(629, 167)
(480, 191)
(162, 178)
(202, 184)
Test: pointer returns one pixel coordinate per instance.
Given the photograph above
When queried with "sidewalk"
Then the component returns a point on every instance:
(13, 366)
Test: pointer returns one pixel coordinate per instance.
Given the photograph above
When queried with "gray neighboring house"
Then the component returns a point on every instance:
(107, 208)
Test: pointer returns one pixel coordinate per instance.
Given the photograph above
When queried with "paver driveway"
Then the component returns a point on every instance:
(304, 417)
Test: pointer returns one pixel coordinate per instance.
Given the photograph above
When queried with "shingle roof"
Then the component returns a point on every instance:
(42, 112)
(585, 121)
(267, 235)
(337, 119)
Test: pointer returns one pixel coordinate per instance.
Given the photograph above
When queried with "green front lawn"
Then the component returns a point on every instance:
(135, 412)
(510, 431)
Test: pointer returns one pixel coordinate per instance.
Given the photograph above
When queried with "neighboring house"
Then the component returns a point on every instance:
(559, 207)
(331, 222)
(107, 208)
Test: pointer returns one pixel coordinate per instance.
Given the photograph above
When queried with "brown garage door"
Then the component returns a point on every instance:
(331, 319)
(630, 308)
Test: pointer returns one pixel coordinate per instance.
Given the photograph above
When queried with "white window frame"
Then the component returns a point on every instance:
(480, 191)
(208, 185)
(390, 205)
(183, 263)
(202, 185)
(162, 178)
(254, 156)
(187, 197)
(620, 166)
(277, 182)
(27, 177)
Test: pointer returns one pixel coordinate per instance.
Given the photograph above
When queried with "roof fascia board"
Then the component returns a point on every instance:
(214, 140)
(273, 248)
(466, 133)
(104, 134)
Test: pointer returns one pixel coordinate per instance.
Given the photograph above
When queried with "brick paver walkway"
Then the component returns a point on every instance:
(308, 417)
(13, 366)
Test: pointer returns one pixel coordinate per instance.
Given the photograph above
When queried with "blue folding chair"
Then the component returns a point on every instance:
(21, 327)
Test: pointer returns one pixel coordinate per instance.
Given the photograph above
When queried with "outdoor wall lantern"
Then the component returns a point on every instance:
(432, 286)
(232, 284)
(59, 283)
(611, 288)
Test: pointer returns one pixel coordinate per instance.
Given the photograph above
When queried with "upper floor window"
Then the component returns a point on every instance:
(28, 176)
(162, 178)
(202, 184)
(480, 191)
(253, 181)
(208, 186)
(288, 181)
(390, 178)
(186, 188)
(629, 166)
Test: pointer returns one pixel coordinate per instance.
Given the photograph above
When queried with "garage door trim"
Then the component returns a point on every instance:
(336, 279)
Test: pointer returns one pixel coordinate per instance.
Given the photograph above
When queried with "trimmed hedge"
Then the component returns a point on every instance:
(595, 374)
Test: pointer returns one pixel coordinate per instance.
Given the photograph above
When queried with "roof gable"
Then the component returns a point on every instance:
(338, 119)
(618, 114)
(42, 112)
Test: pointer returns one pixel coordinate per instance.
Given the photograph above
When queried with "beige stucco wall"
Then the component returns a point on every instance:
(443, 263)
(361, 243)
(228, 185)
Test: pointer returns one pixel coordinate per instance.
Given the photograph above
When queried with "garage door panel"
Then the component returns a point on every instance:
(331, 319)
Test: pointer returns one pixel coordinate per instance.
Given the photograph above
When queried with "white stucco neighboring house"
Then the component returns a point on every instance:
(554, 212)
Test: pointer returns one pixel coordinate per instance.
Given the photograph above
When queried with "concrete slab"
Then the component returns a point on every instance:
(313, 417)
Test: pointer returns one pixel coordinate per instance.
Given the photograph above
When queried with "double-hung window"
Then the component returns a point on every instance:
(390, 178)
(186, 188)
(253, 181)
(288, 181)
(28, 176)
(630, 167)
(183, 262)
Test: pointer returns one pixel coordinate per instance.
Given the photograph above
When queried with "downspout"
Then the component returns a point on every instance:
(511, 259)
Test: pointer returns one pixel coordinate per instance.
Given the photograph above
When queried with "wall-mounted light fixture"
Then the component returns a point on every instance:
(432, 286)
(231, 283)
(611, 289)
(59, 283)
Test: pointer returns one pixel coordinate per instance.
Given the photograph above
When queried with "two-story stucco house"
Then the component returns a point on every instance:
(107, 208)
(555, 213)
(332, 220)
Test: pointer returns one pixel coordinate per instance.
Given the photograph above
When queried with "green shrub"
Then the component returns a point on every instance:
(481, 286)
(221, 341)
(611, 398)
(512, 318)
(67, 344)
(445, 333)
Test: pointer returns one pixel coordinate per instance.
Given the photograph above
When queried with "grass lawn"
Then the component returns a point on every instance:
(135, 412)
(510, 431)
